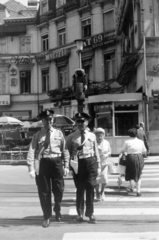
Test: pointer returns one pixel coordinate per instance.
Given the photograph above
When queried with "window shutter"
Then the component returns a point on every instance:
(109, 20)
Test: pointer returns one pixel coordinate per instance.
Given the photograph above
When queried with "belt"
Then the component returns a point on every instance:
(85, 156)
(51, 155)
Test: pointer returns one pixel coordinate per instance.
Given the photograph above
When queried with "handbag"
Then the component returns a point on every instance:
(122, 160)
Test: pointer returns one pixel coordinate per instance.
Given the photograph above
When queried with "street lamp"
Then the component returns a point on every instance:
(79, 78)
(79, 44)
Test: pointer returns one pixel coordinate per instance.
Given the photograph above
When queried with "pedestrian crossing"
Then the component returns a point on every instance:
(119, 206)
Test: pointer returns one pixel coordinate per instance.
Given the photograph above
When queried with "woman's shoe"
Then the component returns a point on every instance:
(130, 189)
(138, 194)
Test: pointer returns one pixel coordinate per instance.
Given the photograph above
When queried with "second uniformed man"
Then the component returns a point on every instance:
(83, 146)
(48, 149)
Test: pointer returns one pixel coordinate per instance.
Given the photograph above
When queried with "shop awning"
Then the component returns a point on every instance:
(115, 97)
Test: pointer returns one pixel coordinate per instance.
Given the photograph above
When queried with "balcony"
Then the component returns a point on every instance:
(70, 5)
(94, 88)
(128, 68)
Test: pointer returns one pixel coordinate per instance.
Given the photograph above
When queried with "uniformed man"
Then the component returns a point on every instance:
(46, 153)
(83, 146)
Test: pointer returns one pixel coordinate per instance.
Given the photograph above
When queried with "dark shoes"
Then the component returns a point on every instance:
(92, 219)
(79, 218)
(58, 217)
(46, 223)
(138, 194)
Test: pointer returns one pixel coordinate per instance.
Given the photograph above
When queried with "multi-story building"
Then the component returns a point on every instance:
(18, 37)
(138, 31)
(114, 59)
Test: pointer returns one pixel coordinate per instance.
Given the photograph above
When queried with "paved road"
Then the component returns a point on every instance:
(120, 216)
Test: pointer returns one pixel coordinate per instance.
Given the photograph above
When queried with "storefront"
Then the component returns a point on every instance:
(117, 113)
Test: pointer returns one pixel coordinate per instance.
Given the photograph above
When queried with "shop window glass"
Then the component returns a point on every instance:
(126, 117)
(104, 118)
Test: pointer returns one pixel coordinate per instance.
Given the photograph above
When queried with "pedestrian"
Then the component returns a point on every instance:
(134, 149)
(46, 153)
(104, 152)
(82, 143)
(141, 135)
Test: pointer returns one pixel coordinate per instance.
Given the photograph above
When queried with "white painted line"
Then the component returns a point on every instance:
(131, 199)
(143, 175)
(142, 178)
(150, 170)
(123, 190)
(111, 236)
(121, 211)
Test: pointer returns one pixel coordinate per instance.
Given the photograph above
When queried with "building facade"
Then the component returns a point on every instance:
(118, 36)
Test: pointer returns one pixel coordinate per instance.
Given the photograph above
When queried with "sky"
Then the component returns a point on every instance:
(24, 2)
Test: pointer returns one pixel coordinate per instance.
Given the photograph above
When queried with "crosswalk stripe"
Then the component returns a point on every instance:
(121, 211)
(131, 199)
(143, 179)
(144, 174)
(111, 236)
(142, 190)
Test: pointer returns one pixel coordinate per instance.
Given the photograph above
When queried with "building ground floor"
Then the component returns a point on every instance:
(116, 113)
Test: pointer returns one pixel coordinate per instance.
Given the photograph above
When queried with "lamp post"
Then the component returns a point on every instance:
(79, 44)
(79, 82)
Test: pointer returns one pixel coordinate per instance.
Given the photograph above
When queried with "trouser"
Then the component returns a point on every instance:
(50, 177)
(87, 173)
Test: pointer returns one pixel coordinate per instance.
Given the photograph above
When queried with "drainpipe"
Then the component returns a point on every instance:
(146, 90)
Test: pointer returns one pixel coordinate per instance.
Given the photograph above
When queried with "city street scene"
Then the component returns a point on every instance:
(79, 119)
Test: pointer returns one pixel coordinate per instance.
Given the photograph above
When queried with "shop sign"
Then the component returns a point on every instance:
(58, 53)
(16, 60)
(4, 100)
(100, 39)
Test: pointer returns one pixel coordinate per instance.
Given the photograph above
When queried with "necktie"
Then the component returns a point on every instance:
(47, 139)
(82, 137)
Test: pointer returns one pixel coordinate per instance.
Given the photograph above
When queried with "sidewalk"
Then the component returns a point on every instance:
(148, 160)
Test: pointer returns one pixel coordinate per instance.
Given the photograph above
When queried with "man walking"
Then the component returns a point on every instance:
(82, 143)
(47, 150)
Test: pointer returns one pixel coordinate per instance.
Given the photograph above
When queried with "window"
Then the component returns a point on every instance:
(86, 28)
(62, 36)
(25, 44)
(104, 118)
(109, 20)
(62, 72)
(45, 42)
(45, 80)
(25, 82)
(126, 117)
(109, 66)
(60, 3)
(44, 6)
(2, 45)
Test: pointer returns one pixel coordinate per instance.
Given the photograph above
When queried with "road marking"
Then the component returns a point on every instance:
(123, 190)
(121, 211)
(131, 199)
(142, 178)
(111, 236)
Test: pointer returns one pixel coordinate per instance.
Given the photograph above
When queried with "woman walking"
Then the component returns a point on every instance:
(134, 149)
(104, 152)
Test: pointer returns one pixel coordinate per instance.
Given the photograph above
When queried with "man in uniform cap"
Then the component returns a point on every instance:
(83, 146)
(48, 149)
